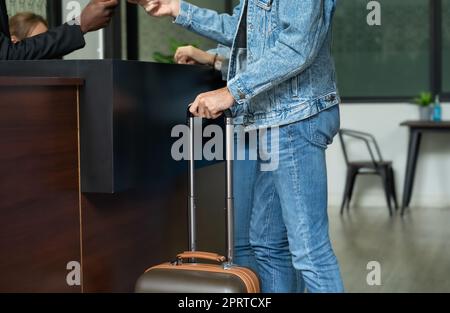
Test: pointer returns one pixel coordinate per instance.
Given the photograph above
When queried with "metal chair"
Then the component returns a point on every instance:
(375, 166)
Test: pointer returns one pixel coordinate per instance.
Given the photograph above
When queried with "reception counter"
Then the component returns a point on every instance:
(86, 174)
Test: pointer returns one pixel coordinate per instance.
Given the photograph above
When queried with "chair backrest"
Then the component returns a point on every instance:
(367, 139)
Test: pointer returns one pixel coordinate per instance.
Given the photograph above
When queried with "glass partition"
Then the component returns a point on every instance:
(383, 61)
(446, 45)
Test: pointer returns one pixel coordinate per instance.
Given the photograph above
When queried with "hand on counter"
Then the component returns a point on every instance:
(97, 14)
(193, 55)
(159, 8)
(212, 104)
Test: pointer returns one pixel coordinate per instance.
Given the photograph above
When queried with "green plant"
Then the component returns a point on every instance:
(174, 44)
(424, 99)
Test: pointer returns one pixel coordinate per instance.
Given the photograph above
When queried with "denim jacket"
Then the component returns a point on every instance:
(286, 73)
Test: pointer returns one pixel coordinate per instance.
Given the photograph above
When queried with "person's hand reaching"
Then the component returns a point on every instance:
(193, 55)
(159, 8)
(97, 14)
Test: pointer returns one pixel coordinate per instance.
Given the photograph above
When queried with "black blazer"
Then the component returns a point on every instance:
(53, 44)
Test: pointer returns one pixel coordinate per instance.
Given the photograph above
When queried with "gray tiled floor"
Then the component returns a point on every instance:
(414, 252)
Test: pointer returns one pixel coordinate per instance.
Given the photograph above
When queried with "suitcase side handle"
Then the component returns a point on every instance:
(229, 201)
(202, 256)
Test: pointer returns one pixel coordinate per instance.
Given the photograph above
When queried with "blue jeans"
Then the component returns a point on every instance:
(285, 278)
(281, 215)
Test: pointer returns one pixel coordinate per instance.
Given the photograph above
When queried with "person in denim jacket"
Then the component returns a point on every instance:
(281, 78)
(288, 279)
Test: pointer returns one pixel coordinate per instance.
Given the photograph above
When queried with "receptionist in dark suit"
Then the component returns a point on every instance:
(59, 41)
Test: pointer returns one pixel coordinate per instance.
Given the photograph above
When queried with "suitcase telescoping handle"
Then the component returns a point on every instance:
(229, 201)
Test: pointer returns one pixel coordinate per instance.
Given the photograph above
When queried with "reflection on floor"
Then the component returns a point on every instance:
(414, 251)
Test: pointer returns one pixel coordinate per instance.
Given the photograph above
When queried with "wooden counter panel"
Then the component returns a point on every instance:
(39, 198)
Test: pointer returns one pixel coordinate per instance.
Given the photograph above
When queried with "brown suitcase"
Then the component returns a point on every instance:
(188, 274)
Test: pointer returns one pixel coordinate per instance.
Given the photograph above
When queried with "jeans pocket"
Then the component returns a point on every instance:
(324, 126)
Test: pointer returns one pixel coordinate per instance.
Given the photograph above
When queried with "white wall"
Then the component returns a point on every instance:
(432, 185)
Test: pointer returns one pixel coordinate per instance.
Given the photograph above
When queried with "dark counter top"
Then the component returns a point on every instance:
(127, 111)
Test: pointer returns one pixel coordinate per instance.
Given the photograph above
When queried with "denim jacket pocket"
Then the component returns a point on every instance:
(264, 4)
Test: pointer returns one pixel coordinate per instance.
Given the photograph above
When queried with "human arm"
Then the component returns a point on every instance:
(52, 44)
(205, 22)
(61, 40)
(307, 24)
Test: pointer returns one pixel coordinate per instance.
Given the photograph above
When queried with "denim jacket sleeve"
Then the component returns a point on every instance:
(295, 49)
(218, 27)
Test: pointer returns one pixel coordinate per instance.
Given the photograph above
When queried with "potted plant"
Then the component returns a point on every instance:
(424, 101)
(169, 58)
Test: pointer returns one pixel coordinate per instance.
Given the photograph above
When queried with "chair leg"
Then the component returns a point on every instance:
(346, 189)
(385, 178)
(393, 189)
(351, 188)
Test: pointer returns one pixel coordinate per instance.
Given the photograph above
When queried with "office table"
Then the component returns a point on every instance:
(416, 129)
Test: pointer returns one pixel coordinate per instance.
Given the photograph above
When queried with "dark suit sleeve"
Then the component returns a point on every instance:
(53, 44)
